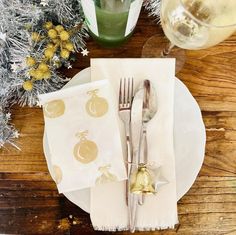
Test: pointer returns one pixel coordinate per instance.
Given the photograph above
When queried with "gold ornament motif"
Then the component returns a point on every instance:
(54, 109)
(57, 174)
(106, 176)
(96, 106)
(141, 181)
(86, 150)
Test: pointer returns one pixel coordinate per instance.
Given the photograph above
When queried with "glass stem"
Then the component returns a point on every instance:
(166, 51)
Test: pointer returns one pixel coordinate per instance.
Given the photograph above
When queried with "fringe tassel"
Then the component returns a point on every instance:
(141, 229)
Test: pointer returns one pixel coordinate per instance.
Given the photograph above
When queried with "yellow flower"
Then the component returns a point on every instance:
(64, 35)
(49, 53)
(52, 33)
(28, 85)
(30, 61)
(65, 54)
(43, 67)
(48, 25)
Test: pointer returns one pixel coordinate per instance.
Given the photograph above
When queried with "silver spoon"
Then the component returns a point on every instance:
(149, 111)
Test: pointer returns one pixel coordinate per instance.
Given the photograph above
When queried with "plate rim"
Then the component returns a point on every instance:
(197, 169)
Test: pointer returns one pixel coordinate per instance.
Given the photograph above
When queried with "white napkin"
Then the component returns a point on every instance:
(108, 207)
(84, 152)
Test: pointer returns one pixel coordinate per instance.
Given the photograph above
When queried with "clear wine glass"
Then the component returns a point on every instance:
(192, 25)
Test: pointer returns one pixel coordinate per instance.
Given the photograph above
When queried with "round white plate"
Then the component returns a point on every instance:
(189, 141)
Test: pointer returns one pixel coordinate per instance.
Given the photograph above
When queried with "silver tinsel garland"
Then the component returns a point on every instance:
(153, 6)
(16, 18)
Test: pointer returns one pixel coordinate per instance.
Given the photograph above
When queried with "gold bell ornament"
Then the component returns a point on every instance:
(142, 181)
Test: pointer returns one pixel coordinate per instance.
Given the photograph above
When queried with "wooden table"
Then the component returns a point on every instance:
(30, 204)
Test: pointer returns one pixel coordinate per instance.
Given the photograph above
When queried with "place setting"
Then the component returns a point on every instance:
(120, 146)
(112, 94)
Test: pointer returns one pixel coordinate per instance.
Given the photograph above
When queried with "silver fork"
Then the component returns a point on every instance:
(126, 94)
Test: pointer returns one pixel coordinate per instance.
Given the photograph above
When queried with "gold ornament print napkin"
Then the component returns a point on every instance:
(108, 210)
(83, 136)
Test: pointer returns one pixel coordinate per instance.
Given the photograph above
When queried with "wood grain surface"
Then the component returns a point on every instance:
(30, 203)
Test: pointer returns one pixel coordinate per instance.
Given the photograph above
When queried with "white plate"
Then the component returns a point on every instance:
(189, 141)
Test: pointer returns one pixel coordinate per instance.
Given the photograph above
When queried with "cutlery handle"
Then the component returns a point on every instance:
(129, 159)
(145, 148)
(133, 212)
(129, 153)
(143, 158)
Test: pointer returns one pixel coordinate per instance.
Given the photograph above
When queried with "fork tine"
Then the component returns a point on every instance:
(124, 89)
(132, 88)
(120, 93)
(128, 92)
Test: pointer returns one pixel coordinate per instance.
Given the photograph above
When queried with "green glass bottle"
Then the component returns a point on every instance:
(111, 22)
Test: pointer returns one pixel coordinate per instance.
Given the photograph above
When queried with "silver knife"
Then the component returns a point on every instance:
(149, 110)
(136, 128)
